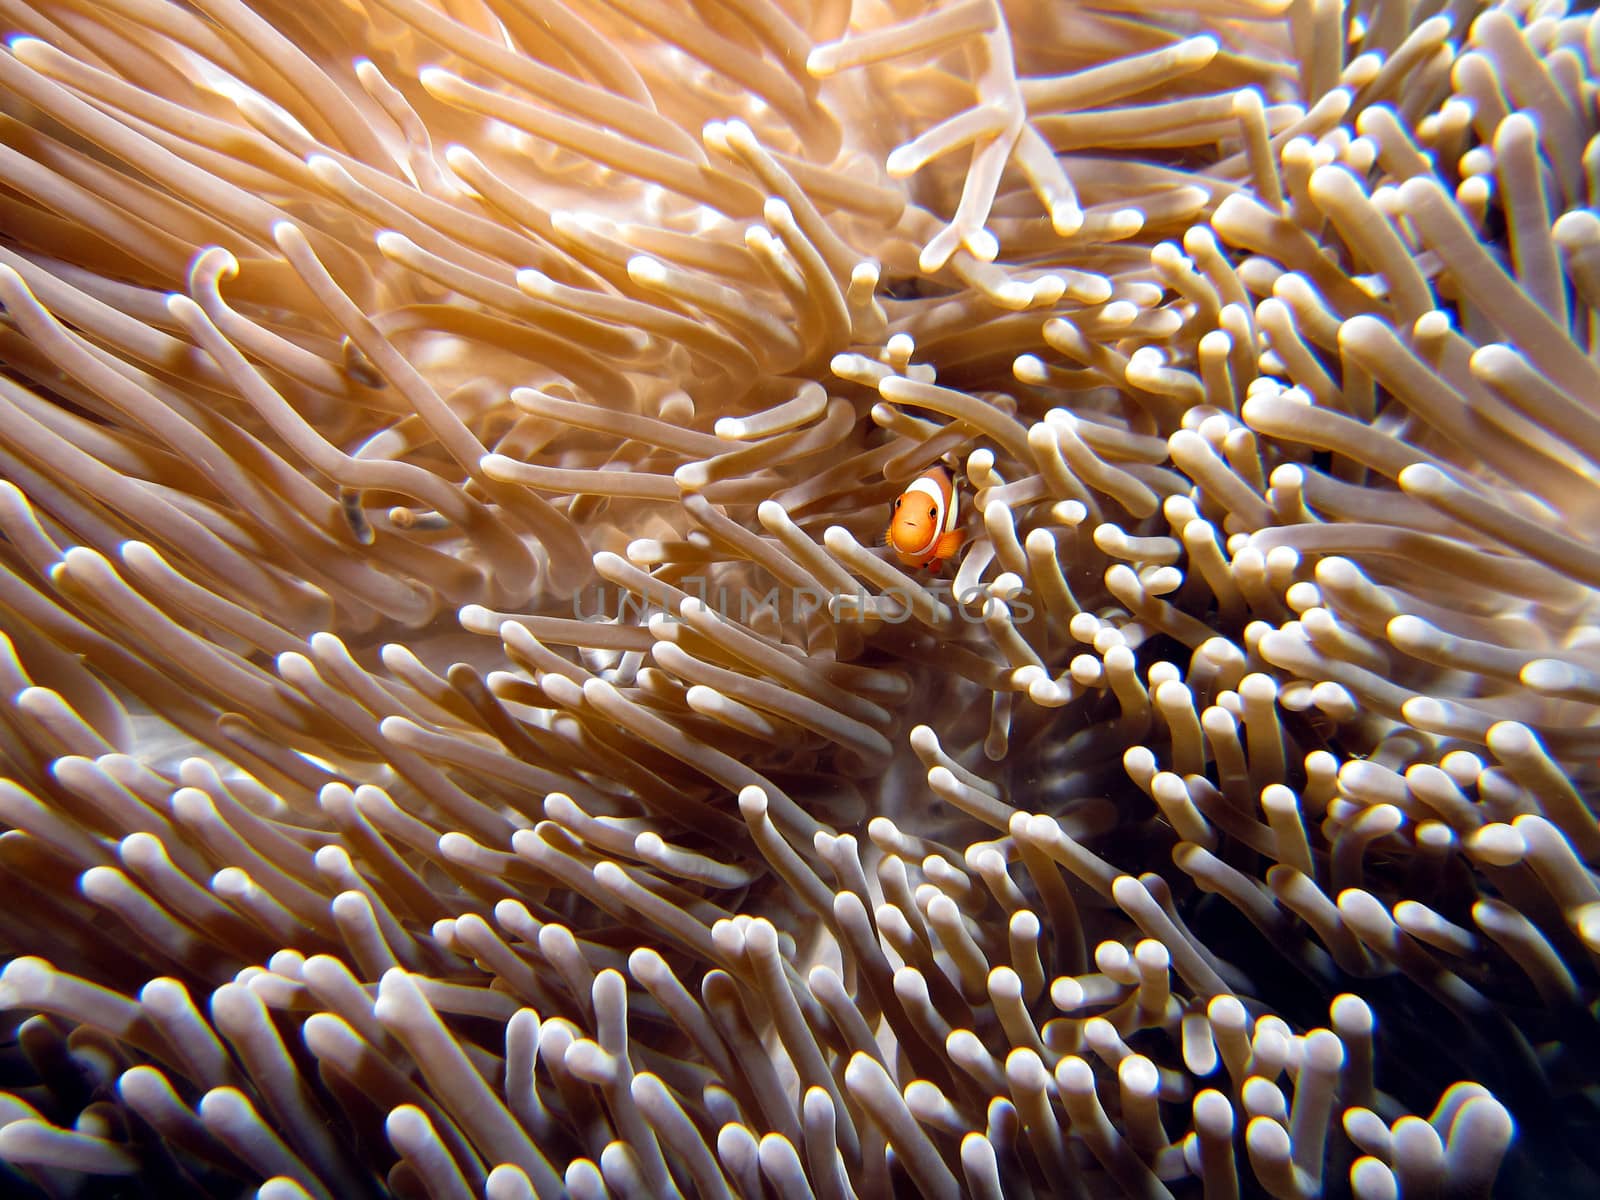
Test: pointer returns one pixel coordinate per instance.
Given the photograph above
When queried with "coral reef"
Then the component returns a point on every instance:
(463, 735)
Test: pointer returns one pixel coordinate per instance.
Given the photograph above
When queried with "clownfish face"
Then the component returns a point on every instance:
(922, 522)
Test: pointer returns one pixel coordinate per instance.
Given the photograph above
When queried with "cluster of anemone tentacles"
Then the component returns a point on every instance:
(462, 737)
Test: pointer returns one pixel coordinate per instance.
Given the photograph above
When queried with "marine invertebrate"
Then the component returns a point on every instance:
(460, 740)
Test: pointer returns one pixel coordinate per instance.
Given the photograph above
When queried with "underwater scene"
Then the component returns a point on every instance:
(799, 599)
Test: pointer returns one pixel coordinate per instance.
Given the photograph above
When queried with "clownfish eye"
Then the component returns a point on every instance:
(933, 513)
(897, 502)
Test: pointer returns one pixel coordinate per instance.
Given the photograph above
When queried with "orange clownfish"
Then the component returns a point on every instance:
(922, 523)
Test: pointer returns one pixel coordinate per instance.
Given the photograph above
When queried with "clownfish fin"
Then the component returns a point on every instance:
(949, 543)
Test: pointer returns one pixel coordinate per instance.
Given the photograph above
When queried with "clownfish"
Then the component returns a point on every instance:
(922, 522)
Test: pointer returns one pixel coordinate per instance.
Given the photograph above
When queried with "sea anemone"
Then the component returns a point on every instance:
(464, 737)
